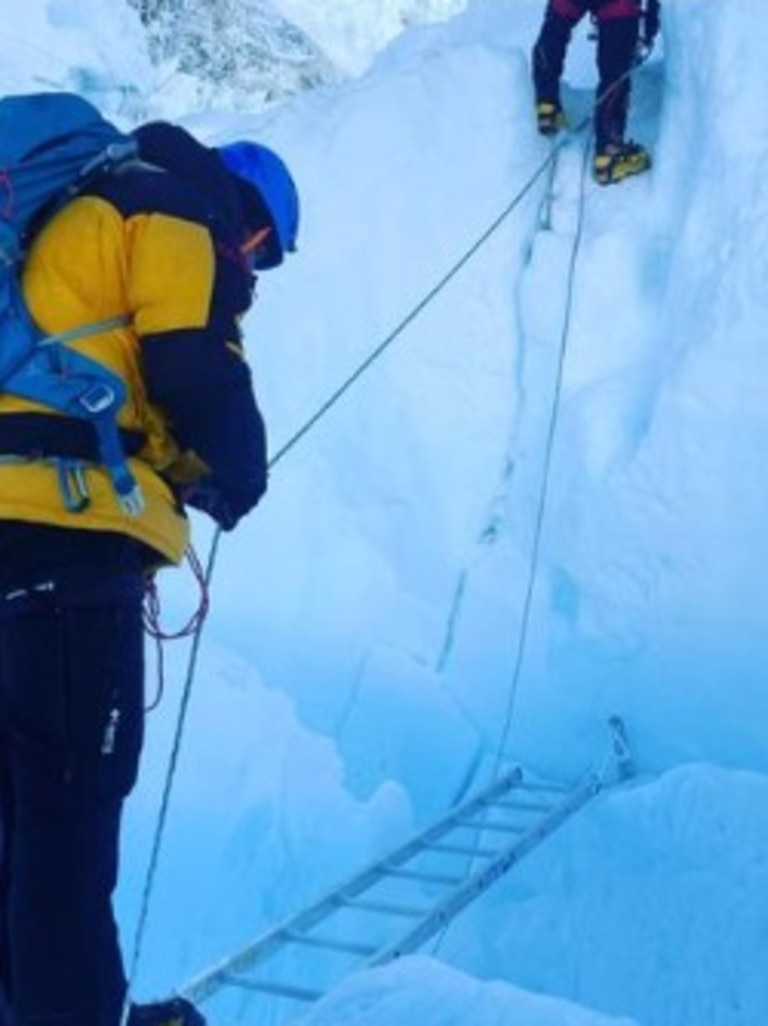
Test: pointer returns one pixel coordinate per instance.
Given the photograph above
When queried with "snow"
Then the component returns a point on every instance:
(518, 522)
(413, 990)
(353, 32)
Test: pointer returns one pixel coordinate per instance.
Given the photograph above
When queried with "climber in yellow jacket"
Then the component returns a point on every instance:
(169, 244)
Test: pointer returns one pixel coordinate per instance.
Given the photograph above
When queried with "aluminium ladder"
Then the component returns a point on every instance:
(393, 906)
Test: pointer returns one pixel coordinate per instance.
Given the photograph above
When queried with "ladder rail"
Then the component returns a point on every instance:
(543, 807)
(484, 878)
(207, 983)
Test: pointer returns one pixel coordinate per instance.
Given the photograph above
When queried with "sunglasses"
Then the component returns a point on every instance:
(259, 250)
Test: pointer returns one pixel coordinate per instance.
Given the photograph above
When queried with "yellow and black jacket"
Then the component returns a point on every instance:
(157, 244)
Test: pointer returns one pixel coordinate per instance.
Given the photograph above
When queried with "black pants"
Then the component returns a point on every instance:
(616, 47)
(71, 718)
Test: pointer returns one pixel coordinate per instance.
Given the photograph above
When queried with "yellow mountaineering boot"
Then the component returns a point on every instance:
(549, 117)
(620, 160)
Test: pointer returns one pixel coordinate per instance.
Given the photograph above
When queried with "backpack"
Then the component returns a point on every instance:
(52, 146)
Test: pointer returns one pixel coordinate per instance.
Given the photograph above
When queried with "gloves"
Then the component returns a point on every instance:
(225, 501)
(651, 23)
(205, 496)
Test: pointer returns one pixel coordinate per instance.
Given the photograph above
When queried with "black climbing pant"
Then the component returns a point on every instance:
(617, 39)
(71, 720)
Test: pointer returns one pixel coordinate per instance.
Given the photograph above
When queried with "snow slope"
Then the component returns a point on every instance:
(396, 548)
(431, 586)
(352, 32)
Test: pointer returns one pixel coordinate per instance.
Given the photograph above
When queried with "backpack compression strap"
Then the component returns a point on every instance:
(77, 386)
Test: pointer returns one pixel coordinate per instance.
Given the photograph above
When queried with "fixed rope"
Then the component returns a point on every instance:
(195, 628)
(308, 425)
(540, 512)
(432, 294)
(541, 507)
(198, 622)
(554, 416)
(543, 495)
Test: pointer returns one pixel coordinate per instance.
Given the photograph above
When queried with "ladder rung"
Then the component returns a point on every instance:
(414, 874)
(351, 947)
(272, 987)
(464, 849)
(408, 911)
(492, 824)
(502, 803)
(543, 789)
(522, 805)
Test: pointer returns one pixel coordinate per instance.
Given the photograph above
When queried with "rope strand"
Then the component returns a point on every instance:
(541, 507)
(344, 387)
(196, 629)
(586, 122)
(450, 274)
(154, 630)
(195, 625)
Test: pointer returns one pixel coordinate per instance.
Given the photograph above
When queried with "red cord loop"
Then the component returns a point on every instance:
(153, 610)
(154, 629)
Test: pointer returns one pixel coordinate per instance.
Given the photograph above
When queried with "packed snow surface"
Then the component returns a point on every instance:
(543, 504)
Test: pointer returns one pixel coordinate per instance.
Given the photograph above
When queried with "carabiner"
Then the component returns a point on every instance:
(73, 485)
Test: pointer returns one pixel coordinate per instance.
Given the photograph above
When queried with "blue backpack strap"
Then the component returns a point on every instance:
(52, 145)
(58, 376)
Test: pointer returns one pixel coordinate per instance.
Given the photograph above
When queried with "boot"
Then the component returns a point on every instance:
(619, 160)
(549, 117)
(176, 1012)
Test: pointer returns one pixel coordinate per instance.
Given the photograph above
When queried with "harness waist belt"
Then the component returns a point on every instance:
(42, 436)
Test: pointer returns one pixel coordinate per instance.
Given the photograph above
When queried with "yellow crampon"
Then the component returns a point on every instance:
(618, 161)
(549, 117)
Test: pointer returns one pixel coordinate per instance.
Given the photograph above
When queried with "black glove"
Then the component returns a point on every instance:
(651, 22)
(205, 496)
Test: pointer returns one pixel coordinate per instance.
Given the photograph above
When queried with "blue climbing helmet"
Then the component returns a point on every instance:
(266, 172)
